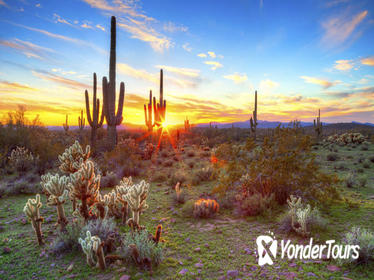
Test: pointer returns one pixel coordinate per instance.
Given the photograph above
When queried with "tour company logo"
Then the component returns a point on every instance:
(267, 250)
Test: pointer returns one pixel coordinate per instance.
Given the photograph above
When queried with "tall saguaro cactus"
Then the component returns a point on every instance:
(96, 121)
(148, 117)
(81, 121)
(253, 120)
(160, 108)
(66, 124)
(318, 125)
(112, 117)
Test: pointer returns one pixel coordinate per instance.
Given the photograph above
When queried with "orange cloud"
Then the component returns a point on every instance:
(319, 81)
(343, 65)
(60, 80)
(27, 48)
(368, 61)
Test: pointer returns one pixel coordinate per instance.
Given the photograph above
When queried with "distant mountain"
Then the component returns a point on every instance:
(269, 124)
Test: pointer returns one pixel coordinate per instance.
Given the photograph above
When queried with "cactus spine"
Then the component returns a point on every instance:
(318, 125)
(31, 209)
(113, 119)
(253, 120)
(96, 121)
(148, 117)
(66, 124)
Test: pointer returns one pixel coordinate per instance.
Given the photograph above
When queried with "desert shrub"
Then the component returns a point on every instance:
(350, 180)
(21, 159)
(178, 176)
(202, 175)
(110, 180)
(360, 170)
(168, 163)
(103, 228)
(363, 238)
(366, 164)
(164, 154)
(364, 146)
(146, 247)
(159, 177)
(362, 181)
(190, 153)
(20, 186)
(253, 205)
(332, 157)
(187, 208)
(205, 208)
(371, 159)
(283, 164)
(67, 241)
(148, 151)
(314, 223)
(191, 164)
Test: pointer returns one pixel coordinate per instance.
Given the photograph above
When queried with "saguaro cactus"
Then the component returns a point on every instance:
(112, 117)
(81, 121)
(96, 121)
(187, 124)
(66, 124)
(56, 188)
(253, 120)
(160, 108)
(318, 125)
(148, 117)
(31, 209)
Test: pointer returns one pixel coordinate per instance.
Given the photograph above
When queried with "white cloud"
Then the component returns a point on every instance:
(319, 81)
(100, 27)
(343, 65)
(202, 55)
(187, 47)
(237, 78)
(214, 64)
(212, 54)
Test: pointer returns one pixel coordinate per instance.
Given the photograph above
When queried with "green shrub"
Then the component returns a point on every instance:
(202, 175)
(363, 238)
(255, 204)
(67, 241)
(332, 157)
(178, 176)
(168, 163)
(366, 164)
(146, 247)
(350, 180)
(109, 181)
(187, 208)
(362, 181)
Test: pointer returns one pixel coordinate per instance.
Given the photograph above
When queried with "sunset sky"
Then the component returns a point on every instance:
(299, 55)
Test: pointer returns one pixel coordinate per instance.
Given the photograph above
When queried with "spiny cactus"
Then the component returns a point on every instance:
(93, 248)
(85, 186)
(205, 208)
(157, 237)
(66, 124)
(294, 203)
(318, 125)
(114, 205)
(299, 215)
(253, 120)
(148, 116)
(56, 188)
(73, 157)
(112, 117)
(122, 190)
(21, 159)
(136, 198)
(31, 210)
(96, 120)
(81, 121)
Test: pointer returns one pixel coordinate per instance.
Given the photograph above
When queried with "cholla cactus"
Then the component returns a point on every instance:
(31, 209)
(114, 205)
(136, 198)
(299, 215)
(346, 138)
(21, 159)
(93, 248)
(294, 203)
(122, 190)
(57, 192)
(73, 157)
(85, 186)
(205, 208)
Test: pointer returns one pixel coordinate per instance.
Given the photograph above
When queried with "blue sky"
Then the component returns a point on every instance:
(299, 55)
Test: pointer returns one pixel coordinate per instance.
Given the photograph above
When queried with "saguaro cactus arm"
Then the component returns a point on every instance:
(95, 121)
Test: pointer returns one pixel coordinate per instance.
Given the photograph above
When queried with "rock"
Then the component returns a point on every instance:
(53, 264)
(187, 239)
(290, 275)
(292, 265)
(183, 271)
(125, 277)
(311, 274)
(222, 277)
(172, 220)
(70, 267)
(199, 265)
(333, 268)
(7, 250)
(2, 228)
(48, 219)
(197, 250)
(118, 263)
(232, 273)
(121, 270)
(206, 245)
(247, 251)
(162, 220)
(23, 221)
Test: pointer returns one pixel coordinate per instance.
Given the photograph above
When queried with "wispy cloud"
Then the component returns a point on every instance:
(60, 37)
(237, 78)
(188, 72)
(60, 80)
(202, 55)
(172, 27)
(187, 47)
(36, 5)
(59, 19)
(137, 73)
(268, 84)
(2, 3)
(12, 86)
(340, 28)
(134, 21)
(214, 64)
(27, 48)
(333, 3)
(319, 81)
(100, 27)
(87, 26)
(343, 65)
(368, 61)
(212, 54)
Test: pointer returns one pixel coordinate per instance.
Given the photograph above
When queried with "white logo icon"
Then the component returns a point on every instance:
(266, 249)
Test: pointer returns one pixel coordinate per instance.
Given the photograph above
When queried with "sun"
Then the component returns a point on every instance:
(164, 124)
